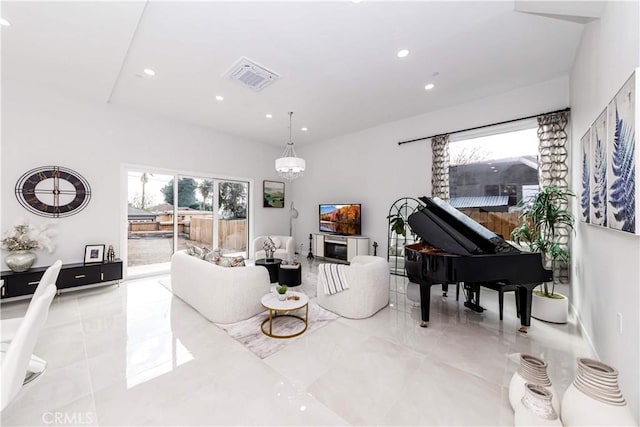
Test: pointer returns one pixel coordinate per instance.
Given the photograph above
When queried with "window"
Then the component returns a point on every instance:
(490, 175)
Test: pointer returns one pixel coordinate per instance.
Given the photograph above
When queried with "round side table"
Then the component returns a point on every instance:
(290, 275)
(272, 266)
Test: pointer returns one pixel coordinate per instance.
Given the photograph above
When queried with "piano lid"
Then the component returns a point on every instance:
(446, 228)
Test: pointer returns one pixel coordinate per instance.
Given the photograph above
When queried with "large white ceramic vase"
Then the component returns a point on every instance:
(594, 398)
(532, 370)
(535, 409)
(553, 310)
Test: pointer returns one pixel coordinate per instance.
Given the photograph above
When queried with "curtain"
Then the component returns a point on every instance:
(554, 168)
(440, 167)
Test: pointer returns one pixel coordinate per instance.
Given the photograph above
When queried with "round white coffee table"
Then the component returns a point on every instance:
(275, 306)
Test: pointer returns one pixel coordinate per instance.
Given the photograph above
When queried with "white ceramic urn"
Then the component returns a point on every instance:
(594, 398)
(532, 370)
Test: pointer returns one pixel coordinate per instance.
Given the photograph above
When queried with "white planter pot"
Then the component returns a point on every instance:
(550, 309)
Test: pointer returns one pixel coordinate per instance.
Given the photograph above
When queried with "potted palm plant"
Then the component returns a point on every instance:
(542, 217)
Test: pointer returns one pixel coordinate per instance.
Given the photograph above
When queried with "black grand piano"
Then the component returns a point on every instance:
(457, 249)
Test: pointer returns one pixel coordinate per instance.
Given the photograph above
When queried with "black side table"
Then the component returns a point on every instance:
(272, 266)
(290, 276)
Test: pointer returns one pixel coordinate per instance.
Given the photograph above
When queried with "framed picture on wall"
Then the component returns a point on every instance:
(93, 254)
(598, 167)
(585, 192)
(622, 167)
(272, 194)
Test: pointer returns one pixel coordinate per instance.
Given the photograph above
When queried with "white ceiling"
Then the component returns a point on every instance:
(337, 60)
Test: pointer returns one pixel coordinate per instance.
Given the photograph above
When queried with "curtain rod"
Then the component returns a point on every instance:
(485, 126)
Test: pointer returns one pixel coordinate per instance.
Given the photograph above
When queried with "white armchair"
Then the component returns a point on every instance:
(285, 247)
(368, 293)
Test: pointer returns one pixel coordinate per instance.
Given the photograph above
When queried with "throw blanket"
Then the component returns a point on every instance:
(331, 276)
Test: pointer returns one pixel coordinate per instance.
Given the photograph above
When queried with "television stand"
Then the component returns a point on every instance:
(339, 248)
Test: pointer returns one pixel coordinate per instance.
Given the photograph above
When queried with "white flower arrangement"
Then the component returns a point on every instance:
(25, 236)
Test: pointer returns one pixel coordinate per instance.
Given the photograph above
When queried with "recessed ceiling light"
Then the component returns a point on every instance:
(429, 86)
(219, 98)
(495, 170)
(149, 72)
(268, 116)
(4, 22)
(304, 129)
(402, 53)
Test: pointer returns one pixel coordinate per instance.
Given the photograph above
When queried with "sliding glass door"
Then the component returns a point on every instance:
(195, 212)
(166, 213)
(232, 212)
(150, 230)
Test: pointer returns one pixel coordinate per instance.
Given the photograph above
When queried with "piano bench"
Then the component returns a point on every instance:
(501, 288)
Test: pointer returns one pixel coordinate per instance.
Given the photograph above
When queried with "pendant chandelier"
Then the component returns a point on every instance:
(289, 166)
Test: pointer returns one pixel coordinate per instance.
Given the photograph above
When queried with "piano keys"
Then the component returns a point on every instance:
(456, 249)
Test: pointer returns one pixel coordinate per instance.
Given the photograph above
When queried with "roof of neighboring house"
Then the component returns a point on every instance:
(162, 207)
(479, 201)
(139, 213)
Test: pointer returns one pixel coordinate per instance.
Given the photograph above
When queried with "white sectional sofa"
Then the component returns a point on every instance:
(221, 294)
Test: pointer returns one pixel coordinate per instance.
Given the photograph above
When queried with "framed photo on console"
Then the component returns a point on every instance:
(93, 254)
(272, 194)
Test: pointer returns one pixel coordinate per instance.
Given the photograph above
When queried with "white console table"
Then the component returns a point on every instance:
(340, 248)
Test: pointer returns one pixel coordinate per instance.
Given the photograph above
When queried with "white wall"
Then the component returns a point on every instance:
(606, 278)
(41, 128)
(369, 167)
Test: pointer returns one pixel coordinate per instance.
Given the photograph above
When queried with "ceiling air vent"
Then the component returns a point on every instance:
(251, 75)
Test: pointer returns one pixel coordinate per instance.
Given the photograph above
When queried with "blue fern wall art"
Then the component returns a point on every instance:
(598, 209)
(585, 194)
(622, 168)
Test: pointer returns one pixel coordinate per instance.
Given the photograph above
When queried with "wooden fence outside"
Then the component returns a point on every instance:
(499, 222)
(232, 234)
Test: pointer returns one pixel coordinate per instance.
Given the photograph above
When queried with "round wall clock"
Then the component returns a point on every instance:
(53, 191)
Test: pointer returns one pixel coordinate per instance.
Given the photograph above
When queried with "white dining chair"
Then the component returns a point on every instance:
(8, 327)
(16, 361)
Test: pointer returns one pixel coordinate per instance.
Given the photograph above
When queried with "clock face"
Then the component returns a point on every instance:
(53, 191)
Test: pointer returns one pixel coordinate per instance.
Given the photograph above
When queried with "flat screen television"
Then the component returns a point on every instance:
(340, 219)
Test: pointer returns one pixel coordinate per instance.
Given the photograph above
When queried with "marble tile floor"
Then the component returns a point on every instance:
(135, 355)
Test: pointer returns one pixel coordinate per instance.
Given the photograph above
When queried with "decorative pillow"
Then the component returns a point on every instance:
(195, 251)
(213, 255)
(230, 261)
(276, 242)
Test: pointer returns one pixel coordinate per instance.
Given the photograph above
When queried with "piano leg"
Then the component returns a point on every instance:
(524, 302)
(445, 289)
(425, 302)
